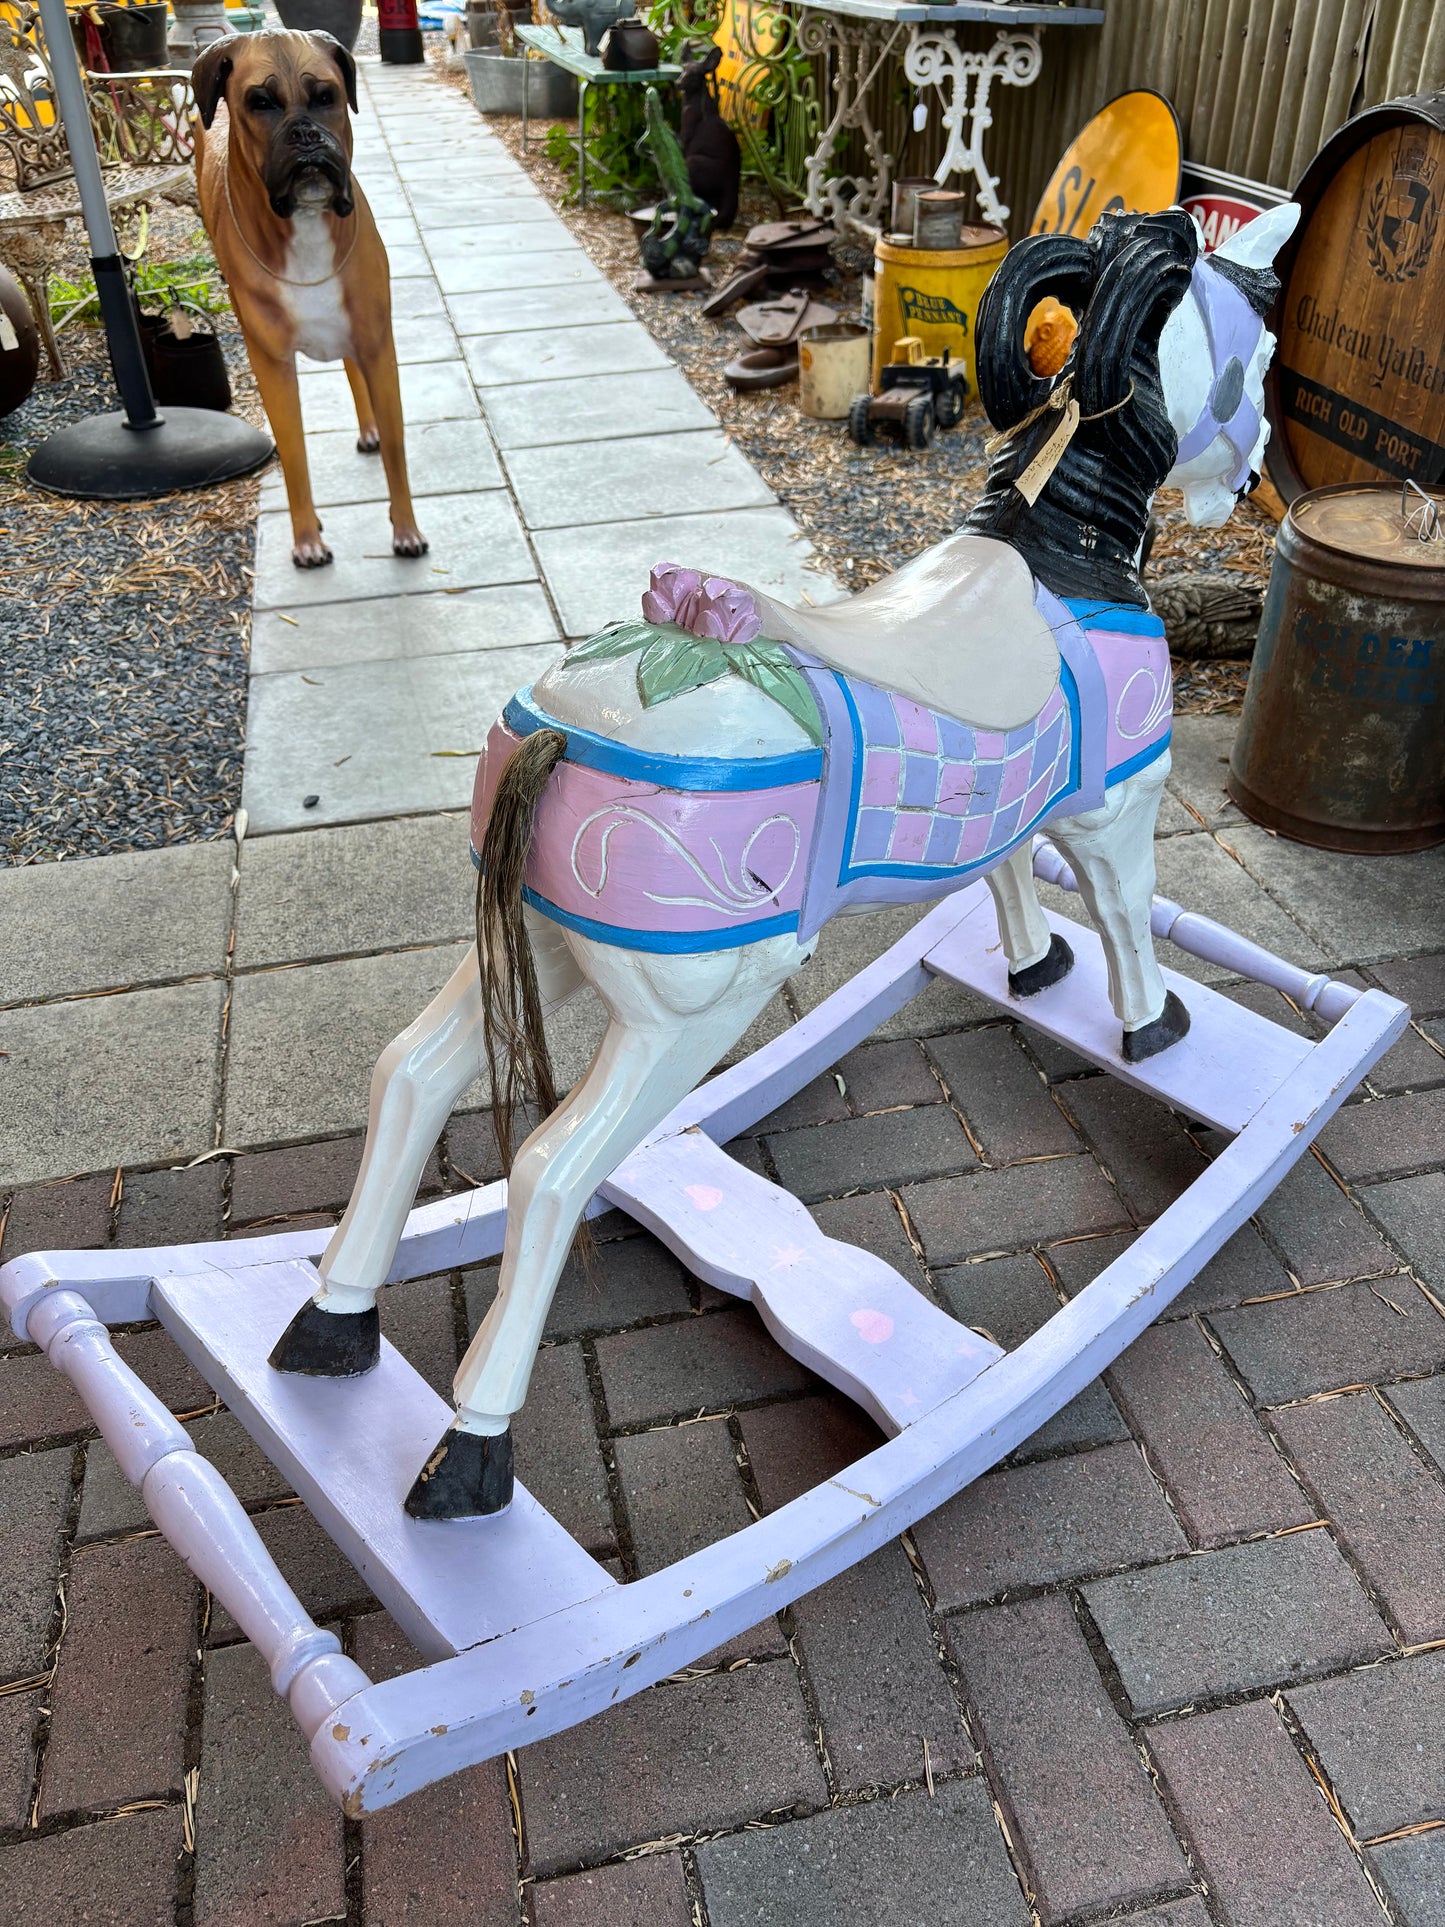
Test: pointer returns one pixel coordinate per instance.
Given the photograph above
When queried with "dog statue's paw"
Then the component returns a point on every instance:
(311, 553)
(409, 541)
(368, 441)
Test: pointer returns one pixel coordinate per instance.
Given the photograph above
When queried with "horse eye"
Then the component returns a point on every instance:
(1228, 391)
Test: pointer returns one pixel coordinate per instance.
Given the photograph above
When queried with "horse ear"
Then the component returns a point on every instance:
(209, 76)
(342, 56)
(712, 60)
(1045, 264)
(1257, 243)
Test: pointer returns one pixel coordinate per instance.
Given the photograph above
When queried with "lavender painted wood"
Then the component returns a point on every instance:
(350, 1447)
(197, 1512)
(548, 1676)
(1217, 944)
(846, 1314)
(1229, 1064)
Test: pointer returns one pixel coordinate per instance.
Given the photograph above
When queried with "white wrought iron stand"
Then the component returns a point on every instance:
(860, 37)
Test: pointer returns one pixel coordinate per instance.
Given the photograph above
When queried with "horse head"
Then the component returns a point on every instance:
(1213, 354)
(1164, 383)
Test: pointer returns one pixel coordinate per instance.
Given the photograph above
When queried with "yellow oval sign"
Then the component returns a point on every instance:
(1128, 157)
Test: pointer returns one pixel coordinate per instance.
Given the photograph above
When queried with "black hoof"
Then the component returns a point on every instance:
(467, 1477)
(1050, 969)
(1168, 1027)
(329, 1344)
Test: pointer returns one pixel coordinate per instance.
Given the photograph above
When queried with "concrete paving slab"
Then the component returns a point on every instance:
(1199, 755)
(102, 1081)
(303, 1042)
(373, 739)
(397, 230)
(475, 541)
(415, 297)
(407, 261)
(600, 577)
(146, 917)
(395, 626)
(476, 209)
(612, 348)
(431, 391)
(535, 414)
(1363, 908)
(460, 267)
(424, 337)
(510, 310)
(439, 456)
(555, 268)
(487, 186)
(363, 887)
(641, 475)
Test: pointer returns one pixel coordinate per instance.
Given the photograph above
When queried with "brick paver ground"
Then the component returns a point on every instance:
(1164, 1666)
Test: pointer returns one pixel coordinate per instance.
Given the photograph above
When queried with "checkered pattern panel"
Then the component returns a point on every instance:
(936, 793)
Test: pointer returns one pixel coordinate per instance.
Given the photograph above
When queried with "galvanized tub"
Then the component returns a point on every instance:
(1342, 741)
(496, 83)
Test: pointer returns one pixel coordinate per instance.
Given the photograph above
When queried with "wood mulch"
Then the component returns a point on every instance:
(124, 628)
(865, 510)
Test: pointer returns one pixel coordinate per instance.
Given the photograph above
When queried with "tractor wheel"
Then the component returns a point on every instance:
(918, 422)
(859, 425)
(948, 402)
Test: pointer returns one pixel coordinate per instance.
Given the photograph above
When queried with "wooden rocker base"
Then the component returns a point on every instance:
(524, 1632)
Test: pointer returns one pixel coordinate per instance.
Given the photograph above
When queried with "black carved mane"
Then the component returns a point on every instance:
(1082, 536)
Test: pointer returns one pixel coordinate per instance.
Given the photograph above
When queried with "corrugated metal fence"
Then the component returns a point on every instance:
(1258, 84)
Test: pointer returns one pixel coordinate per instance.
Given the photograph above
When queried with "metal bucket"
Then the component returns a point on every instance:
(933, 293)
(1342, 740)
(832, 369)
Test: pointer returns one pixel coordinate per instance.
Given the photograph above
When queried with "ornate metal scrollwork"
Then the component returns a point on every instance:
(964, 79)
(855, 51)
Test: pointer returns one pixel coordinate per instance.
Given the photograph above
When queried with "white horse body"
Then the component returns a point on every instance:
(671, 1017)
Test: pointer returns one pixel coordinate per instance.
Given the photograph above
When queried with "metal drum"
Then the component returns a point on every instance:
(1342, 741)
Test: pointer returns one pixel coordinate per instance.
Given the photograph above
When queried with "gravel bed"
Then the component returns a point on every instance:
(866, 510)
(124, 633)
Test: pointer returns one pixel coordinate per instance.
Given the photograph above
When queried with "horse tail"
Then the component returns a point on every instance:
(516, 1044)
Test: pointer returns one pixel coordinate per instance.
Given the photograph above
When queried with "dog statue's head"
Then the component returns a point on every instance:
(287, 95)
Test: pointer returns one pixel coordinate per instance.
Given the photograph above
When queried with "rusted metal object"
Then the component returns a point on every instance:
(1342, 741)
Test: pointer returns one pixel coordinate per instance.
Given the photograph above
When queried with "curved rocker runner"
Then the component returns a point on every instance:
(672, 815)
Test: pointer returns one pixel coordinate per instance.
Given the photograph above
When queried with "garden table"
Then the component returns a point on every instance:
(563, 47)
(859, 36)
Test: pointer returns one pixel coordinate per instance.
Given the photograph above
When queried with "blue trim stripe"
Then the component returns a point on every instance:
(664, 943)
(522, 716)
(1135, 763)
(1118, 616)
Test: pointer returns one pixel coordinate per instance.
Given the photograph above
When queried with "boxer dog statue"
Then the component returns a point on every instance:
(300, 252)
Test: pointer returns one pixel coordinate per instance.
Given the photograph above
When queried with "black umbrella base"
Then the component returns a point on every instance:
(104, 459)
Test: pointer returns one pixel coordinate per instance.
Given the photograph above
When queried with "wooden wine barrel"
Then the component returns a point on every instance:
(1357, 388)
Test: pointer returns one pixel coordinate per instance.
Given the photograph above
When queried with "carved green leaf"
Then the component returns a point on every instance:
(766, 666)
(617, 639)
(674, 664)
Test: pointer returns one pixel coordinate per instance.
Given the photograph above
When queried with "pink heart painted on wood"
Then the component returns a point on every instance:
(705, 1196)
(873, 1327)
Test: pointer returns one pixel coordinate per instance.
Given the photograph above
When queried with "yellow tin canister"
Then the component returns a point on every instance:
(933, 293)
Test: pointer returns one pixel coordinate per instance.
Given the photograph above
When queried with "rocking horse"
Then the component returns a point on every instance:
(672, 814)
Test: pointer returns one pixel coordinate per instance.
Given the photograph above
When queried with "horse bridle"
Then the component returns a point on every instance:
(1234, 331)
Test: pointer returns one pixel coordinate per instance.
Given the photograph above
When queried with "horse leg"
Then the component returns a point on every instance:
(1111, 850)
(653, 1054)
(418, 1078)
(1037, 956)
